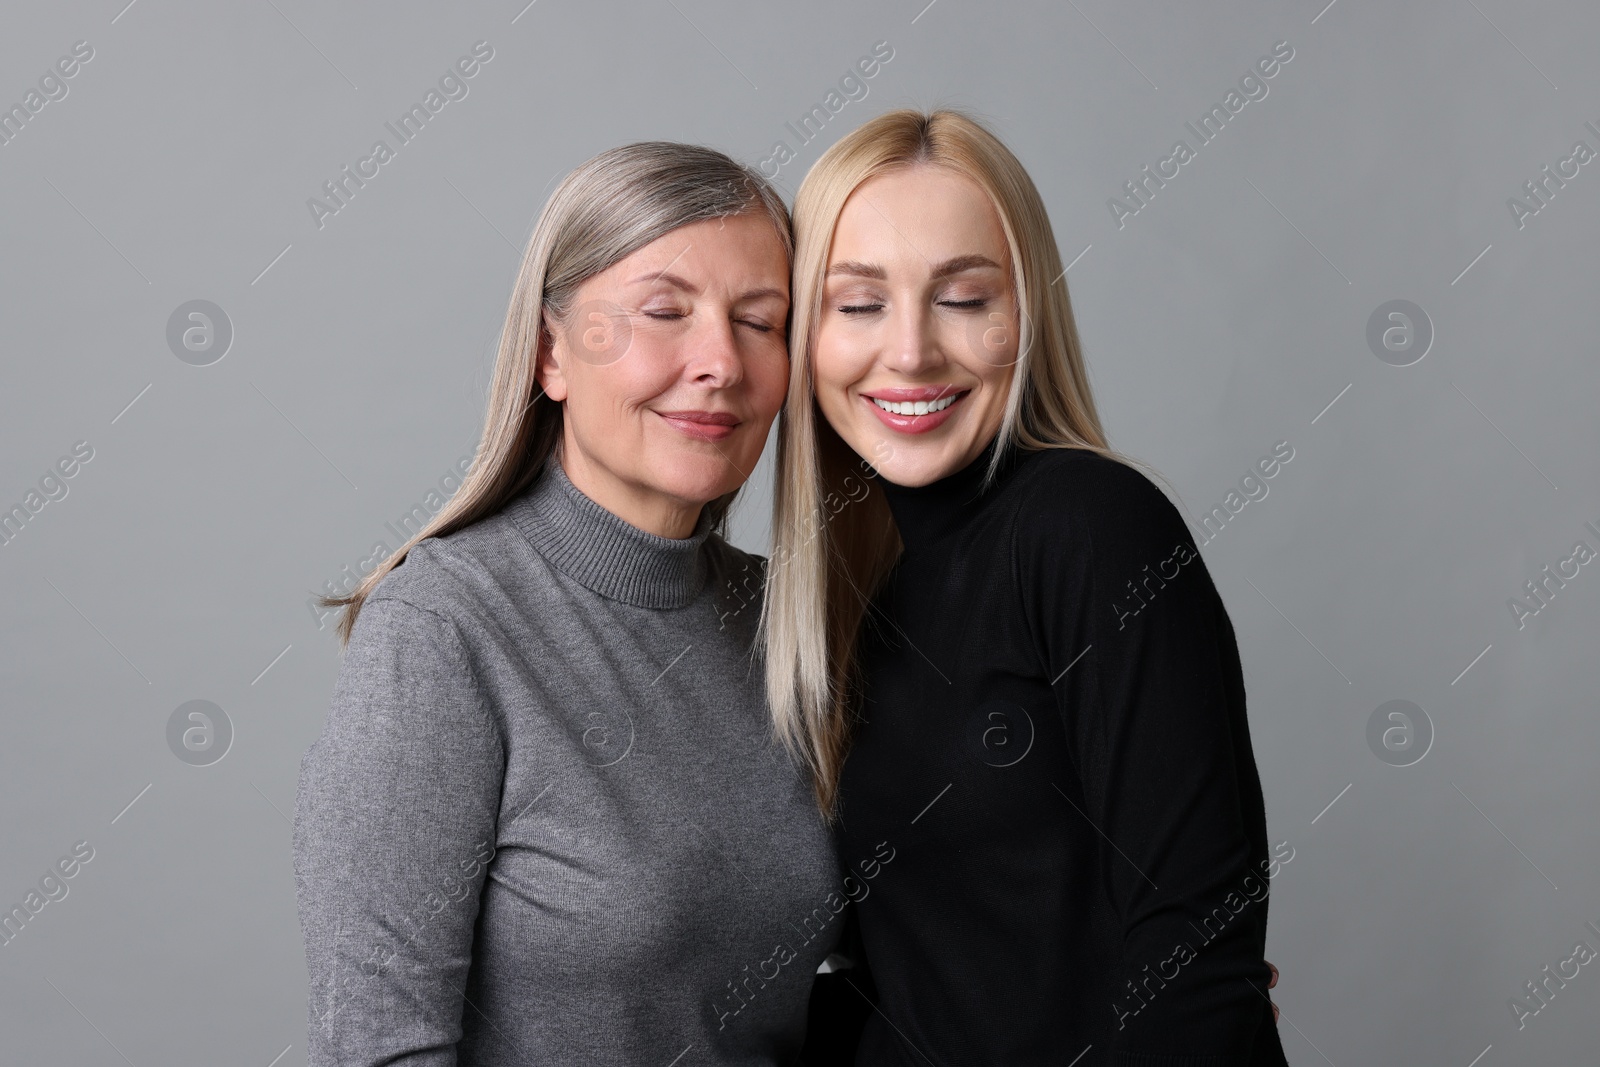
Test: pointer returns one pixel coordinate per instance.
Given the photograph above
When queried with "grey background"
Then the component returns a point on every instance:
(1227, 315)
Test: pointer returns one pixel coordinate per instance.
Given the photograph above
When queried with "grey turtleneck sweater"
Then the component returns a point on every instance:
(546, 821)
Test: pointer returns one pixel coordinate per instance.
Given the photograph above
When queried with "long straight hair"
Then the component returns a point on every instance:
(832, 548)
(605, 210)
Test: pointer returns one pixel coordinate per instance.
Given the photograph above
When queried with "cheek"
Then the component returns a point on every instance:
(997, 389)
(992, 365)
(604, 399)
(998, 378)
(648, 369)
(981, 342)
(838, 362)
(768, 375)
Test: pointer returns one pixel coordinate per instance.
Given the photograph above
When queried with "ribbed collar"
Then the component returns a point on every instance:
(925, 513)
(604, 553)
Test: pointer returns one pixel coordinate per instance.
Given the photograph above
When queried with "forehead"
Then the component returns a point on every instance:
(731, 251)
(923, 211)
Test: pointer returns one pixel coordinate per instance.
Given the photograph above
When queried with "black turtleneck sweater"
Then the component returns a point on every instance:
(1053, 743)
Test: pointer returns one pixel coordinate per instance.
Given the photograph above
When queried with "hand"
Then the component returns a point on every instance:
(1270, 983)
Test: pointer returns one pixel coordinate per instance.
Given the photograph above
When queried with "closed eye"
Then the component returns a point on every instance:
(858, 309)
(978, 303)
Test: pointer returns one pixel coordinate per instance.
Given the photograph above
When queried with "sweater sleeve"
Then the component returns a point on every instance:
(395, 828)
(1154, 714)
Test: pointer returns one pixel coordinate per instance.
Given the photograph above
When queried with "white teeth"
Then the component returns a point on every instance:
(914, 407)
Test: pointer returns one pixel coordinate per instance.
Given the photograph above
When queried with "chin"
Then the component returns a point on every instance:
(913, 464)
(697, 477)
(912, 470)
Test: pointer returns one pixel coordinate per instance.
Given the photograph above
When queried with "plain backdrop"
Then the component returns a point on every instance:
(1229, 313)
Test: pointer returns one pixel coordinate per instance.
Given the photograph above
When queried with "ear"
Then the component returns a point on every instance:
(547, 362)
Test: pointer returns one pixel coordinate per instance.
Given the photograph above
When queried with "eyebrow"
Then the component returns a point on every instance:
(963, 263)
(677, 281)
(857, 269)
(956, 265)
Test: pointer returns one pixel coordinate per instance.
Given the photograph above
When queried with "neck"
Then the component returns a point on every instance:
(649, 510)
(924, 513)
(603, 551)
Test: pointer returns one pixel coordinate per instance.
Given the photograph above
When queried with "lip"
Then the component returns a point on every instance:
(703, 425)
(914, 424)
(920, 392)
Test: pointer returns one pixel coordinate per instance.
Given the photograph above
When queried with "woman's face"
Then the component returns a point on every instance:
(671, 367)
(917, 335)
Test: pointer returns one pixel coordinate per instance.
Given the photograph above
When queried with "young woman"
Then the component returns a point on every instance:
(546, 821)
(1006, 659)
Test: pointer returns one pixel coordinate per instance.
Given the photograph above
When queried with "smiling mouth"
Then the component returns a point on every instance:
(916, 407)
(918, 410)
(702, 425)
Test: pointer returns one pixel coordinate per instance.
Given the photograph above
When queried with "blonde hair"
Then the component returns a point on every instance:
(605, 210)
(831, 548)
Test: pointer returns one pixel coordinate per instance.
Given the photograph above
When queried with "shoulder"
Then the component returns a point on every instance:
(460, 577)
(1072, 496)
(1095, 537)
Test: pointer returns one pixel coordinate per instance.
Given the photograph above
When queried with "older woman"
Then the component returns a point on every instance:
(546, 821)
(1007, 660)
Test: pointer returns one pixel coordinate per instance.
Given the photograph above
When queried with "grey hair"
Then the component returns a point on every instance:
(624, 198)
(602, 212)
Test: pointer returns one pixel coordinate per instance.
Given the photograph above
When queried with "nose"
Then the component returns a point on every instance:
(714, 356)
(909, 348)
